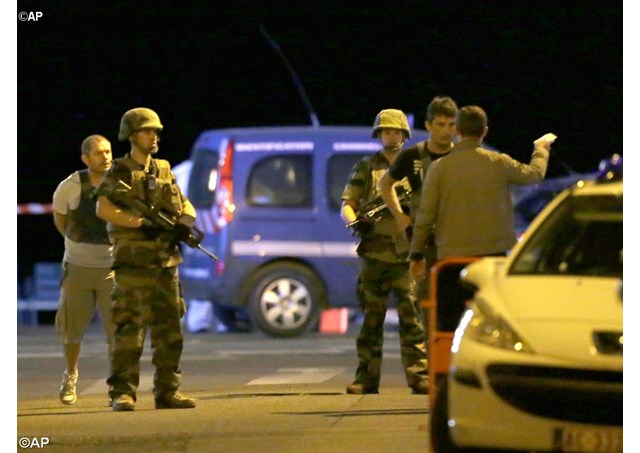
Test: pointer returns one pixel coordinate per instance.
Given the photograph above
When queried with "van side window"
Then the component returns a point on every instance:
(203, 178)
(338, 169)
(281, 181)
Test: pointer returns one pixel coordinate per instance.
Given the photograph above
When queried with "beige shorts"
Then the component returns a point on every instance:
(83, 290)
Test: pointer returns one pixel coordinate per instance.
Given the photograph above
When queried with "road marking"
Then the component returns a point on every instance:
(282, 376)
(297, 376)
(223, 354)
(39, 355)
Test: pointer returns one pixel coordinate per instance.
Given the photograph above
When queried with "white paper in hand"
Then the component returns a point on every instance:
(549, 138)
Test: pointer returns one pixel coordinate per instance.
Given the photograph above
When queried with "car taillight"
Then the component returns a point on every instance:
(224, 196)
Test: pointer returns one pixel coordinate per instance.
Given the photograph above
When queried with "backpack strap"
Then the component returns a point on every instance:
(368, 179)
(163, 168)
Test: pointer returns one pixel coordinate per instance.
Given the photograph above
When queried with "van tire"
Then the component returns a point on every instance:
(284, 299)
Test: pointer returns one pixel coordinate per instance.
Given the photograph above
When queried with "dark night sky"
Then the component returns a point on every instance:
(534, 66)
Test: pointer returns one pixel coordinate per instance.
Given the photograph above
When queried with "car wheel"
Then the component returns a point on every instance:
(284, 299)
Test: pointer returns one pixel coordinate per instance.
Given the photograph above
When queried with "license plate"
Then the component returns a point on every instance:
(586, 440)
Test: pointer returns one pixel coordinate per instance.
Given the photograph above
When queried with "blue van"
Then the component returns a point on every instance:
(268, 200)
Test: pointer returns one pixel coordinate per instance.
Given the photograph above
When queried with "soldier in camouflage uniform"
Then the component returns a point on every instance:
(384, 267)
(145, 259)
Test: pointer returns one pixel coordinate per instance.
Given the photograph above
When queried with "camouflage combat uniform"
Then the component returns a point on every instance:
(384, 268)
(146, 285)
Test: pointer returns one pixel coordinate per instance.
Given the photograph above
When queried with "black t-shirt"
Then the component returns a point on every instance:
(409, 164)
(413, 162)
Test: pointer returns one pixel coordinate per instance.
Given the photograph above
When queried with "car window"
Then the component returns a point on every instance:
(529, 207)
(583, 236)
(281, 181)
(338, 169)
(204, 176)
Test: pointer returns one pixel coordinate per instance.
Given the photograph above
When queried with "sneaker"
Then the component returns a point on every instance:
(174, 400)
(123, 403)
(360, 389)
(68, 394)
(421, 388)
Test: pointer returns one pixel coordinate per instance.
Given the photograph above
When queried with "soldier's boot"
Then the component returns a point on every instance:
(175, 400)
(123, 403)
(68, 388)
(358, 388)
(421, 388)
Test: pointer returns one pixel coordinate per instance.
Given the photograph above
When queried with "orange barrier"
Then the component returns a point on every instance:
(334, 321)
(445, 305)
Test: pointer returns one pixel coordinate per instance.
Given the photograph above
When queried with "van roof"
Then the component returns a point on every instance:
(212, 138)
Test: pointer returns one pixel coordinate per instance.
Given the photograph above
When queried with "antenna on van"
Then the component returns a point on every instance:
(296, 79)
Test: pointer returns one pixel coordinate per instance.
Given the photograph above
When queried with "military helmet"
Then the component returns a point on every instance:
(138, 118)
(391, 118)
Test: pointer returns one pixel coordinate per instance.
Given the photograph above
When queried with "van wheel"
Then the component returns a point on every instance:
(284, 299)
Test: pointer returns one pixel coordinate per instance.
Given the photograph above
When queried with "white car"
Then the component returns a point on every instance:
(537, 356)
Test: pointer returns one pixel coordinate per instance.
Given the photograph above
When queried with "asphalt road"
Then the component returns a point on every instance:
(254, 393)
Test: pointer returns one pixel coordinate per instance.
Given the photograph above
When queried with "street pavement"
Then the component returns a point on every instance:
(254, 394)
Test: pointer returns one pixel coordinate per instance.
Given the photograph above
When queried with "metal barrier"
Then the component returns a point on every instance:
(445, 305)
(43, 294)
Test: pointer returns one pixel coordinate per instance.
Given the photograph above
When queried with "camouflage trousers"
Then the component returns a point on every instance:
(146, 298)
(376, 281)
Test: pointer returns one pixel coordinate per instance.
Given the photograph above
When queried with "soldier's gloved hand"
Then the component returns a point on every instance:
(187, 220)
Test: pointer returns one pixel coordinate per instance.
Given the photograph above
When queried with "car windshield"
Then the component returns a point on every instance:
(583, 236)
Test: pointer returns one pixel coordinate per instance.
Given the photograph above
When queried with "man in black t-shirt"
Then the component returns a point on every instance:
(413, 162)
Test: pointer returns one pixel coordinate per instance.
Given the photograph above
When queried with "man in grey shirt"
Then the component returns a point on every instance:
(466, 195)
(87, 279)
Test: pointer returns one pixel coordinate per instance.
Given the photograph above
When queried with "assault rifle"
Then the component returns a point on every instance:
(164, 216)
(373, 210)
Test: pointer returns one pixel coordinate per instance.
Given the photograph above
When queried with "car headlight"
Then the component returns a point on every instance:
(487, 328)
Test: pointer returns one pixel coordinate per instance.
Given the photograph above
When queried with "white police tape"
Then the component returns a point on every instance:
(35, 208)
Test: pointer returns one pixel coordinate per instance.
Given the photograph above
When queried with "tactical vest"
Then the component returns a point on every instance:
(143, 247)
(384, 242)
(82, 223)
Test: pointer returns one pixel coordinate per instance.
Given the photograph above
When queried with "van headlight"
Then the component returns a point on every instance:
(488, 328)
